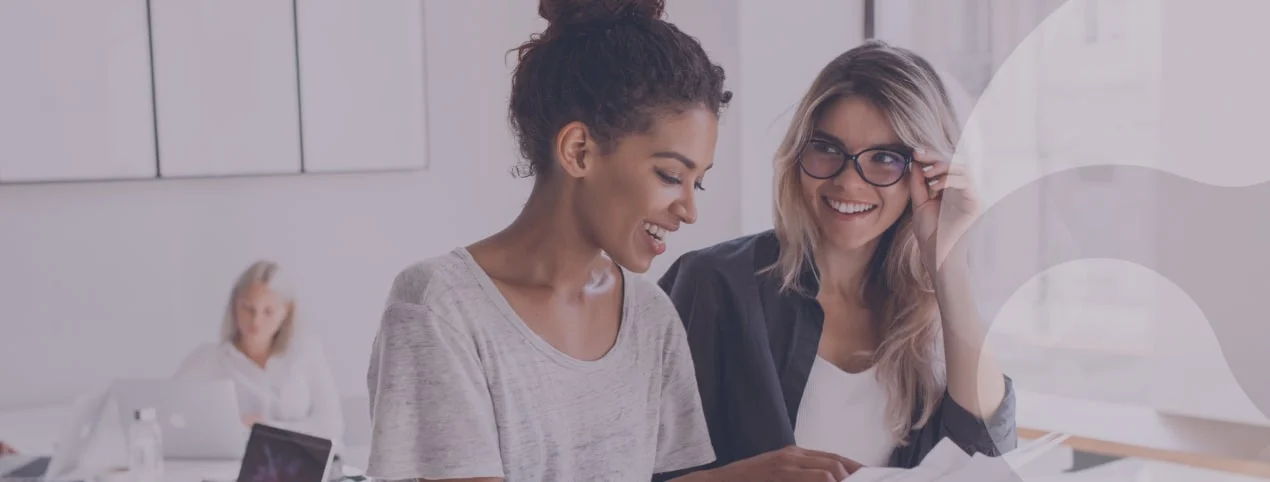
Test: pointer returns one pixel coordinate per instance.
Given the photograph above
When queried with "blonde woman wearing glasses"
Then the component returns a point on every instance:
(835, 332)
(281, 379)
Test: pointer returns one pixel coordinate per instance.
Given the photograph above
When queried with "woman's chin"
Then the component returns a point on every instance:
(632, 258)
(635, 263)
(637, 254)
(849, 242)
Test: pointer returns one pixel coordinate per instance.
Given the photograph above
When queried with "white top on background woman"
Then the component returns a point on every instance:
(281, 380)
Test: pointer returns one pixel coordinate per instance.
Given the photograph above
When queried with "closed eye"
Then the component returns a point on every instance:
(675, 181)
(668, 178)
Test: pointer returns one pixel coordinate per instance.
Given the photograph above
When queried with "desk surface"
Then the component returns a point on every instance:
(1143, 432)
(33, 431)
(1097, 427)
(36, 431)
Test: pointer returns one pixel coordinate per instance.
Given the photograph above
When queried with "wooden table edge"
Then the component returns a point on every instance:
(1254, 468)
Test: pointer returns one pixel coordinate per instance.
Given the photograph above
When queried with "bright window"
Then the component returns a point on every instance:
(1080, 329)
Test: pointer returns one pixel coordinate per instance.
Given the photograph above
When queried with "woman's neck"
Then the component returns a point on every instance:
(563, 258)
(843, 272)
(257, 351)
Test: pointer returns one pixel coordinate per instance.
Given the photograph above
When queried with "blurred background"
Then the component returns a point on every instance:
(151, 150)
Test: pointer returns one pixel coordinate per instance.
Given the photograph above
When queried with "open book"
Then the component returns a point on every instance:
(948, 463)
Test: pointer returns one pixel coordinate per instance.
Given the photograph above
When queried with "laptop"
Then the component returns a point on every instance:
(276, 454)
(198, 419)
(71, 447)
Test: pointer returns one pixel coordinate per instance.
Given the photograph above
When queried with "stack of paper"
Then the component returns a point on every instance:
(948, 463)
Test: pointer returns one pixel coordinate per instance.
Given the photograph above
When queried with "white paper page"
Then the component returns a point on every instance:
(877, 474)
(982, 468)
(949, 463)
(1024, 455)
(945, 457)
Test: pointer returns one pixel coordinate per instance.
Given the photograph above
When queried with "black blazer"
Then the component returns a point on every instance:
(754, 347)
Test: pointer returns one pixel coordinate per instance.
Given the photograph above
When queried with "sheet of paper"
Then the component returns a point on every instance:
(982, 468)
(1024, 455)
(945, 457)
(877, 474)
(949, 463)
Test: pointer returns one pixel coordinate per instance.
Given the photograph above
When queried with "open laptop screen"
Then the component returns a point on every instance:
(34, 468)
(277, 455)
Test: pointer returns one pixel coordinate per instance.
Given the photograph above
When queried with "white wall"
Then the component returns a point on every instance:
(714, 23)
(784, 44)
(101, 280)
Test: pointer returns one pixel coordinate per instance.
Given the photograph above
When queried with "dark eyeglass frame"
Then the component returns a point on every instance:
(854, 159)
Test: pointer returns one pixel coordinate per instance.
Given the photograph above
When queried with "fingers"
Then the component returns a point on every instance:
(949, 181)
(938, 174)
(796, 464)
(812, 463)
(929, 168)
(850, 465)
(811, 475)
(917, 188)
(931, 165)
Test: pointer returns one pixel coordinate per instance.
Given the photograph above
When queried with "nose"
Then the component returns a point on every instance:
(850, 174)
(686, 209)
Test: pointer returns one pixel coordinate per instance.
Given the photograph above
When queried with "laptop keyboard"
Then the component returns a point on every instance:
(35, 468)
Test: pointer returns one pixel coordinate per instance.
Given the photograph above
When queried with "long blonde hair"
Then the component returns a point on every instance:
(897, 289)
(266, 273)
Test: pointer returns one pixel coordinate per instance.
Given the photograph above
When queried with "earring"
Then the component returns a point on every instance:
(522, 169)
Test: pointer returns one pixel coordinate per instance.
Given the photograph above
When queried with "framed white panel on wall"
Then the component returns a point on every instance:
(226, 92)
(362, 84)
(75, 92)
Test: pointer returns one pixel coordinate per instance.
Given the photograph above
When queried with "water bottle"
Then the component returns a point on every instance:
(145, 447)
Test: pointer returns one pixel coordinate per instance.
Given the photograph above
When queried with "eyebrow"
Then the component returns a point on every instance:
(893, 146)
(689, 163)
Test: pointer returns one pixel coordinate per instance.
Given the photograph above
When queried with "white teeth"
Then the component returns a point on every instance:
(850, 207)
(655, 230)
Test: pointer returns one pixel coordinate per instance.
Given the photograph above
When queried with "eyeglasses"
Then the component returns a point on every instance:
(878, 166)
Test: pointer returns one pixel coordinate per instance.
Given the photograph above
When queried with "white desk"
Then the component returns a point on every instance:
(1142, 432)
(36, 431)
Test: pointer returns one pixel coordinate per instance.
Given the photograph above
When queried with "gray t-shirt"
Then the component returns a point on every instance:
(460, 387)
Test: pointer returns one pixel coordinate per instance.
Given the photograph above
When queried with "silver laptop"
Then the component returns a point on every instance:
(198, 419)
(86, 423)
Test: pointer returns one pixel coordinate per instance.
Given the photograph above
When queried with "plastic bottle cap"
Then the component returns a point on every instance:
(144, 414)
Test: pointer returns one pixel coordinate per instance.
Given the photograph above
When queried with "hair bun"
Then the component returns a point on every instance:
(571, 12)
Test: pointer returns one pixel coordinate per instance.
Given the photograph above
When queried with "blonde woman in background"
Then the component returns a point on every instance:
(281, 379)
(835, 332)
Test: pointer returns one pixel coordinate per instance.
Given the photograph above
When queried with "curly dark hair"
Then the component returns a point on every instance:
(613, 65)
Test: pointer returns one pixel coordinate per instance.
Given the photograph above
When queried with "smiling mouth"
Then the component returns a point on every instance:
(849, 207)
(657, 232)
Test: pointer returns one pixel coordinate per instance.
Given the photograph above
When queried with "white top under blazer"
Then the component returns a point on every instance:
(845, 413)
